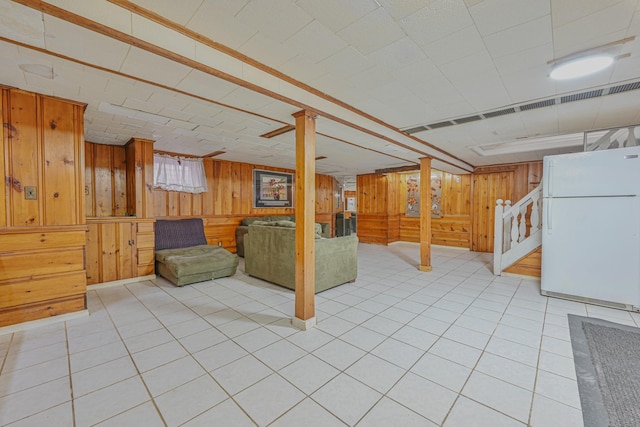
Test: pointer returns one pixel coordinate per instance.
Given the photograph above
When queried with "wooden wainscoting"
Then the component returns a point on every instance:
(451, 230)
(41, 272)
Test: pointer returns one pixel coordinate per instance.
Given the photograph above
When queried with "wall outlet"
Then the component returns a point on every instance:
(30, 193)
(219, 242)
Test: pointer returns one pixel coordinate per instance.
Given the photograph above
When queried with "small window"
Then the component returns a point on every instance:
(179, 174)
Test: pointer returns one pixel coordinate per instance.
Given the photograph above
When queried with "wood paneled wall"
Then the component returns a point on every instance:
(230, 198)
(105, 180)
(507, 182)
(382, 210)
(41, 236)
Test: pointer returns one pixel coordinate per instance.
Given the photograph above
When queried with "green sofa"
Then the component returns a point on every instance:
(270, 255)
(243, 228)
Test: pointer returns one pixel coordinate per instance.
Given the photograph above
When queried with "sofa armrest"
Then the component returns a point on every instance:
(326, 229)
(241, 231)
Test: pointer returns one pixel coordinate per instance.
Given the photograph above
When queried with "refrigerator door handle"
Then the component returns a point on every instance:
(549, 216)
(550, 180)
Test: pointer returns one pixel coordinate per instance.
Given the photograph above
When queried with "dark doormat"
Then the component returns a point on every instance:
(607, 360)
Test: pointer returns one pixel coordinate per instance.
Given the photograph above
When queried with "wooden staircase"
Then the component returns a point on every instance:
(518, 235)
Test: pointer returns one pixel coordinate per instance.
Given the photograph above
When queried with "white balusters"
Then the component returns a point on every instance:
(515, 230)
(497, 238)
(535, 212)
(522, 230)
(511, 233)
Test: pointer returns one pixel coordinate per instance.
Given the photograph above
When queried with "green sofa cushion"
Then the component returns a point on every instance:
(196, 259)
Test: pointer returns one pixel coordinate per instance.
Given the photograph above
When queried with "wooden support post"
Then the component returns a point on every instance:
(425, 214)
(139, 153)
(305, 197)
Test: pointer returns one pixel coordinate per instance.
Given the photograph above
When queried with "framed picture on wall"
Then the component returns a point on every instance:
(272, 189)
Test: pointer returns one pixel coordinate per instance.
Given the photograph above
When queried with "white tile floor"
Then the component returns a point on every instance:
(453, 347)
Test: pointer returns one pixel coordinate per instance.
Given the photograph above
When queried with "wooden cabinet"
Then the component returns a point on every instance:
(42, 236)
(119, 248)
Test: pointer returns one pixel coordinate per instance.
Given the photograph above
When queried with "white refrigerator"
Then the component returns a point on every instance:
(591, 227)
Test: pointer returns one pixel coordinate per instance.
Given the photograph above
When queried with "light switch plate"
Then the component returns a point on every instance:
(30, 193)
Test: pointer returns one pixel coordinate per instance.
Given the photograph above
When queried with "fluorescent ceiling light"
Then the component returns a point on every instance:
(580, 67)
(526, 145)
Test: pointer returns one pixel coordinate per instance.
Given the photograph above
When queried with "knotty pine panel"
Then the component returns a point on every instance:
(59, 155)
(373, 228)
(372, 194)
(5, 131)
(24, 154)
(16, 265)
(119, 180)
(103, 183)
(487, 188)
(33, 290)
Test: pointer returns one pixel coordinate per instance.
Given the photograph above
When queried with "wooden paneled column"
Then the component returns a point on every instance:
(305, 197)
(425, 214)
(139, 153)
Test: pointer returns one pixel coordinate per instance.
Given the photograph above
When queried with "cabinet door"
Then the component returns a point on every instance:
(109, 246)
(93, 254)
(125, 251)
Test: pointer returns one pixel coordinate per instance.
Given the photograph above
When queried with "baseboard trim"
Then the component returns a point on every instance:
(31, 324)
(120, 282)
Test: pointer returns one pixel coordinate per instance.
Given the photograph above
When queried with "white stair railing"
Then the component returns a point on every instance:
(513, 237)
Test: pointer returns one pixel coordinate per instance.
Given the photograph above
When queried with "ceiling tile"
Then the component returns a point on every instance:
(601, 27)
(276, 19)
(567, 11)
(159, 35)
(372, 32)
(485, 91)
(455, 46)
(205, 85)
(526, 36)
(398, 54)
(492, 16)
(266, 51)
(314, 41)
(180, 12)
(21, 23)
(148, 66)
(439, 19)
(529, 84)
(401, 8)
(91, 47)
(525, 59)
(464, 70)
(346, 62)
(337, 14)
(216, 20)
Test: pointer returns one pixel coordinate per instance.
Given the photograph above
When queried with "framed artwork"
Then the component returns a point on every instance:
(413, 195)
(436, 194)
(272, 189)
(351, 203)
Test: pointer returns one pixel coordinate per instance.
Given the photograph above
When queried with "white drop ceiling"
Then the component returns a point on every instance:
(369, 68)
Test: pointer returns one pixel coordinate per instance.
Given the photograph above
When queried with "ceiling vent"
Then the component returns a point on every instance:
(539, 104)
(611, 90)
(499, 113)
(441, 124)
(581, 96)
(624, 88)
(467, 119)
